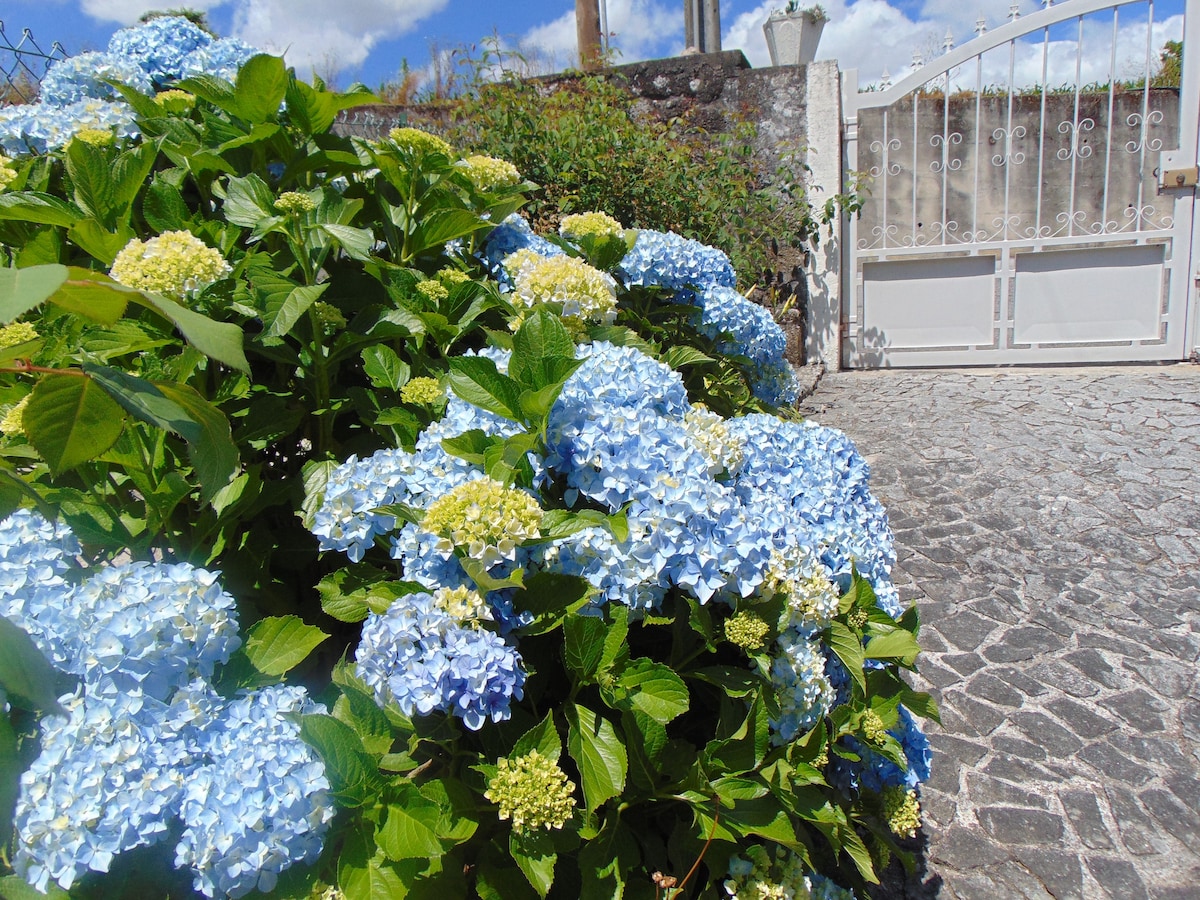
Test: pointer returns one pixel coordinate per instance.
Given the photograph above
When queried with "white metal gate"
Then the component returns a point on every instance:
(1031, 196)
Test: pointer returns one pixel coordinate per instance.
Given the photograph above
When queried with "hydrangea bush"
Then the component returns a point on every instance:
(362, 542)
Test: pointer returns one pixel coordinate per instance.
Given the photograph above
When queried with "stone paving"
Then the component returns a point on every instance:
(1047, 524)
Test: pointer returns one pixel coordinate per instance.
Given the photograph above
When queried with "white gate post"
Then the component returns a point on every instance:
(1189, 143)
(823, 111)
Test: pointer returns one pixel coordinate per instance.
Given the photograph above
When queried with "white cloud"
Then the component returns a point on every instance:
(126, 12)
(312, 35)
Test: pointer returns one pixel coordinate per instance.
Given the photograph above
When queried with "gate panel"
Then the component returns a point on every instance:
(1026, 222)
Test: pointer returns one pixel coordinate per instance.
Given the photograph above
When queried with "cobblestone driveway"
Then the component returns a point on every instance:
(1048, 526)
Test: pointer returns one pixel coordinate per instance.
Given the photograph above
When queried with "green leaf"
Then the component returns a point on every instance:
(598, 752)
(440, 226)
(478, 573)
(654, 690)
(476, 380)
(211, 449)
(25, 675)
(541, 336)
(285, 308)
(220, 340)
(277, 644)
(23, 289)
(14, 887)
(163, 206)
(92, 295)
(583, 645)
(857, 851)
(70, 420)
(681, 355)
(549, 596)
(316, 477)
(39, 208)
(311, 110)
(534, 854)
(351, 772)
(94, 238)
(896, 644)
(260, 88)
(472, 446)
(350, 593)
(248, 201)
(385, 368)
(409, 829)
(501, 884)
(357, 242)
(920, 704)
(848, 647)
(543, 738)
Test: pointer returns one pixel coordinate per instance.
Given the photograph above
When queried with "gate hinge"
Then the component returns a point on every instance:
(1179, 178)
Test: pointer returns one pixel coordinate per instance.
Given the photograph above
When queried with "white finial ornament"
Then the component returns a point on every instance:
(1014, 11)
(980, 25)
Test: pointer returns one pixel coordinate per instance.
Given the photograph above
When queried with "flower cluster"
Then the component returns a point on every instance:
(294, 203)
(591, 224)
(507, 238)
(422, 390)
(144, 744)
(782, 877)
(420, 655)
(74, 95)
(176, 264)
(7, 172)
(744, 328)
(664, 259)
(567, 285)
(747, 630)
(485, 519)
(532, 791)
(490, 174)
(901, 810)
(418, 142)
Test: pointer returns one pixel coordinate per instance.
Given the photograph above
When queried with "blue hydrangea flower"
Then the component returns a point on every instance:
(35, 555)
(147, 626)
(664, 259)
(108, 779)
(804, 690)
(814, 483)
(508, 237)
(423, 660)
(261, 803)
(40, 127)
(160, 47)
(221, 59)
(750, 331)
(81, 78)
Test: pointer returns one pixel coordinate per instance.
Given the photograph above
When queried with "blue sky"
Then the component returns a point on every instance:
(367, 39)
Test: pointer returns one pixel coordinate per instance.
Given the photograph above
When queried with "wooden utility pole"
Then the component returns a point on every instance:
(587, 31)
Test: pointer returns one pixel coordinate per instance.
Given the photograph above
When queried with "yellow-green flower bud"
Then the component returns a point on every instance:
(901, 810)
(711, 434)
(95, 136)
(13, 422)
(747, 630)
(294, 203)
(532, 791)
(489, 174)
(451, 277)
(590, 224)
(7, 172)
(16, 333)
(464, 604)
(873, 728)
(176, 264)
(329, 317)
(176, 102)
(485, 519)
(422, 390)
(568, 285)
(432, 291)
(417, 141)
